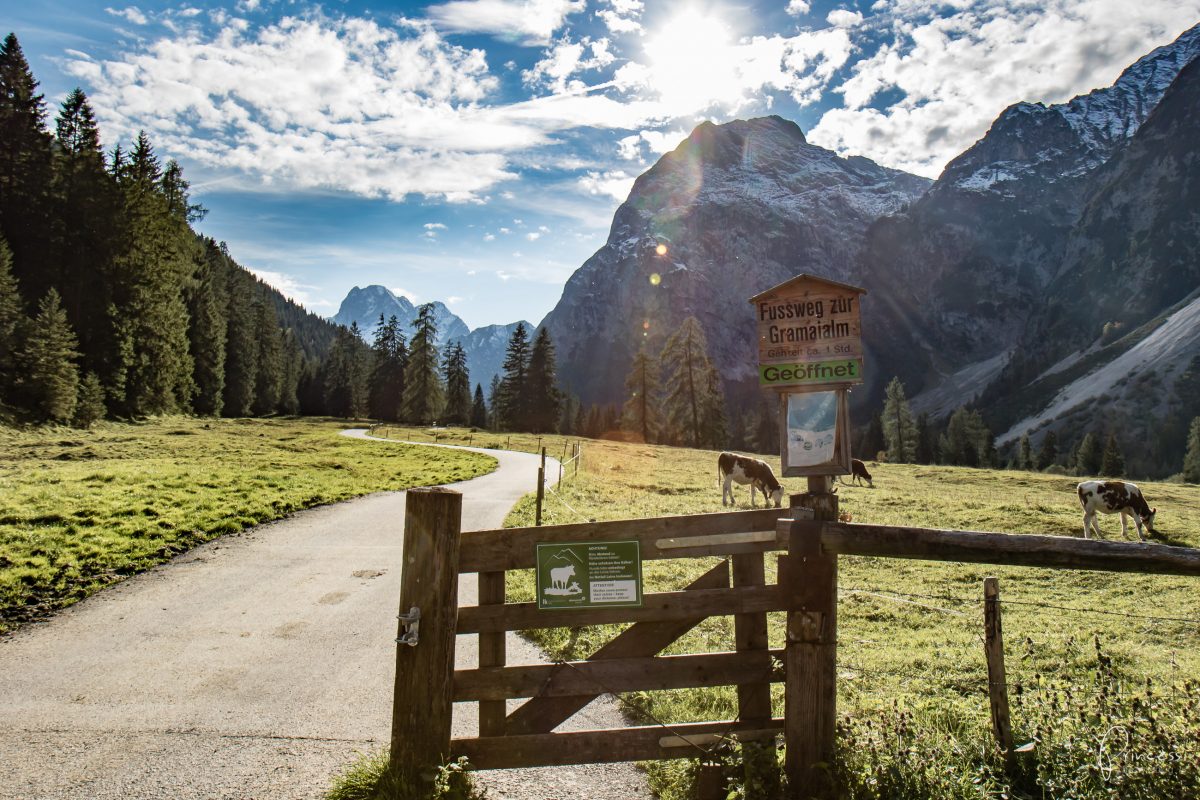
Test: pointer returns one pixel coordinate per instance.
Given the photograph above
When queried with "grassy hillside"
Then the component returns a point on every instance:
(910, 632)
(82, 509)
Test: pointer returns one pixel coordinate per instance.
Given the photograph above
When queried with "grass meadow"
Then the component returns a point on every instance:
(81, 509)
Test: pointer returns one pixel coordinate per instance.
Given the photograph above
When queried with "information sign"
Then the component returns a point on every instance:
(589, 574)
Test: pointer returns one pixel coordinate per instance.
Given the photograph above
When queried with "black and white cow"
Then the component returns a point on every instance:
(858, 471)
(742, 469)
(1115, 497)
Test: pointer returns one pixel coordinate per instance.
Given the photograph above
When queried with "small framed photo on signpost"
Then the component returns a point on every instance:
(815, 436)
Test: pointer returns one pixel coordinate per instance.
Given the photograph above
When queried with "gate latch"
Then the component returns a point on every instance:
(411, 621)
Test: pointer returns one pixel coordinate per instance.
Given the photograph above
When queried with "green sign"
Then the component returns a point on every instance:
(847, 371)
(589, 574)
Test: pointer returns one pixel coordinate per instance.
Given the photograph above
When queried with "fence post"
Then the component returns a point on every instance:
(810, 659)
(492, 653)
(541, 490)
(578, 453)
(421, 700)
(993, 642)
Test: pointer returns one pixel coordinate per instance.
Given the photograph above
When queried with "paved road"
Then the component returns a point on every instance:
(253, 667)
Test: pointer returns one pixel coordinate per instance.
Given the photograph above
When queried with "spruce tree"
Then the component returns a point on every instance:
(90, 408)
(1090, 456)
(899, 430)
(51, 378)
(967, 441)
(458, 385)
(715, 425)
(12, 321)
(423, 394)
(871, 442)
(766, 430)
(293, 372)
(1112, 463)
(390, 355)
(687, 404)
(479, 412)
(1025, 453)
(511, 398)
(1191, 460)
(268, 377)
(208, 300)
(345, 378)
(641, 412)
(1048, 453)
(493, 401)
(241, 346)
(544, 400)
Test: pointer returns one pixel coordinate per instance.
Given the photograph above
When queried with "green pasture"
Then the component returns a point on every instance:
(82, 509)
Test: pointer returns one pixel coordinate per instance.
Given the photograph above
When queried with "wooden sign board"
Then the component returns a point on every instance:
(809, 334)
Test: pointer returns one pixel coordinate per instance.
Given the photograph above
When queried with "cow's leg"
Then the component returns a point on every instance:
(727, 490)
(1124, 525)
(1137, 520)
(1089, 521)
(753, 485)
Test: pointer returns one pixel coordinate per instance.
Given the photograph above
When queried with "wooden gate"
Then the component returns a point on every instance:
(435, 553)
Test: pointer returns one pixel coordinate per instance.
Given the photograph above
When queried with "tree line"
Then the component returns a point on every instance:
(110, 303)
(965, 440)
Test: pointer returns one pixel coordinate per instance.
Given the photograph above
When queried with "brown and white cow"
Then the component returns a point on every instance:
(1115, 497)
(743, 469)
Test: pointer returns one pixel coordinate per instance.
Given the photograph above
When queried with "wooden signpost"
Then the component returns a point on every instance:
(810, 352)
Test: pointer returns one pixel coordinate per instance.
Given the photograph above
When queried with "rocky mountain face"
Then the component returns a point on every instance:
(484, 346)
(732, 211)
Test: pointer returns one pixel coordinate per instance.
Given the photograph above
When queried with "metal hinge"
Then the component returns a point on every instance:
(411, 622)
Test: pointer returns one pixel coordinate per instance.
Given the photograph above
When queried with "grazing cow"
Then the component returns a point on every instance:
(858, 470)
(1113, 497)
(732, 467)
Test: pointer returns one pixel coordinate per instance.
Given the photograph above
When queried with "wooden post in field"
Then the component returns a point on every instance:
(810, 660)
(541, 490)
(578, 454)
(421, 701)
(997, 679)
(491, 654)
(710, 782)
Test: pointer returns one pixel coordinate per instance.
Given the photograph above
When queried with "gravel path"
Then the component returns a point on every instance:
(252, 667)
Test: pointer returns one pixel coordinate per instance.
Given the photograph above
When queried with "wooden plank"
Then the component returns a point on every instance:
(513, 548)
(656, 607)
(810, 689)
(750, 636)
(544, 714)
(491, 654)
(618, 675)
(421, 706)
(1027, 550)
(993, 643)
(604, 746)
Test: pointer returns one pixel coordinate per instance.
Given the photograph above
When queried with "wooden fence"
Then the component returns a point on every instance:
(435, 553)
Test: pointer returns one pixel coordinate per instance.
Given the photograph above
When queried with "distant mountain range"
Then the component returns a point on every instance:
(485, 347)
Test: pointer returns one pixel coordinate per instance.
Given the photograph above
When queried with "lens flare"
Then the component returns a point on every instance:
(655, 279)
(661, 249)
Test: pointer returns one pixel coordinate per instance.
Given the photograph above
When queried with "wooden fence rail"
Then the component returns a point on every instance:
(806, 589)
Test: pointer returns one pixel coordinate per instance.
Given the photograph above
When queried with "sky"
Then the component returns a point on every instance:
(474, 151)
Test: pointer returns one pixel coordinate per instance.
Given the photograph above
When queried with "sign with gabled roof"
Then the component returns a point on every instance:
(809, 333)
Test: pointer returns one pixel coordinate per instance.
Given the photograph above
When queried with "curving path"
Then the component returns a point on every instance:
(253, 667)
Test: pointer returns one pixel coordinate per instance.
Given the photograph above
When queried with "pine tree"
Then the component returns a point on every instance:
(423, 395)
(570, 412)
(641, 412)
(207, 301)
(688, 403)
(345, 379)
(899, 430)
(1048, 453)
(543, 397)
(48, 362)
(90, 408)
(967, 441)
(390, 356)
(458, 385)
(1025, 453)
(479, 413)
(293, 372)
(268, 377)
(493, 400)
(714, 425)
(509, 403)
(766, 430)
(1112, 463)
(241, 346)
(1191, 460)
(1090, 456)
(871, 442)
(12, 321)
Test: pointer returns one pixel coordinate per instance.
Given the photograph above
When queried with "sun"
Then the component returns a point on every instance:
(693, 62)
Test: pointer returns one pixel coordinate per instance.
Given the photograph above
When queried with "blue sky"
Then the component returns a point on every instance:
(474, 151)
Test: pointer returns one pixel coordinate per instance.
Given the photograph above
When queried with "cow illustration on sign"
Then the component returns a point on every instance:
(564, 565)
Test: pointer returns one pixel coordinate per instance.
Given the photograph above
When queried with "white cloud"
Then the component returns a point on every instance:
(798, 8)
(407, 295)
(429, 226)
(956, 73)
(844, 18)
(507, 195)
(289, 287)
(525, 21)
(622, 16)
(453, 300)
(566, 58)
(489, 237)
(661, 142)
(533, 236)
(611, 184)
(505, 231)
(132, 15)
(316, 103)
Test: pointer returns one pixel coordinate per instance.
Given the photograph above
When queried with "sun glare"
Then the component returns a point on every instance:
(693, 62)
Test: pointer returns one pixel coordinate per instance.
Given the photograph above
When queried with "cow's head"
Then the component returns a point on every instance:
(777, 496)
(1148, 520)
